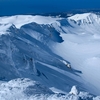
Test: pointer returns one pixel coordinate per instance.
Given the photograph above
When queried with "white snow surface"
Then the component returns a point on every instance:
(85, 18)
(77, 17)
(74, 90)
(26, 89)
(81, 47)
(20, 20)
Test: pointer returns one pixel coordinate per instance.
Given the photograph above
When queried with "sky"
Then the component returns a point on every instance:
(44, 6)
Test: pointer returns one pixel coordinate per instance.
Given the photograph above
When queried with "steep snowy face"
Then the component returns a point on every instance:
(22, 48)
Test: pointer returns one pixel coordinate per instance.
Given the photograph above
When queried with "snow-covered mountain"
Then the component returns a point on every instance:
(41, 49)
(86, 18)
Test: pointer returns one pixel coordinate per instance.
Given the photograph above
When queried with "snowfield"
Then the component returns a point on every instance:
(50, 58)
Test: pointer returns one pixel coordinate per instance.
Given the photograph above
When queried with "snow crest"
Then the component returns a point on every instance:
(20, 20)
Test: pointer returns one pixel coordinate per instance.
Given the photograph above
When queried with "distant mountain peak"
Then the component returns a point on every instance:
(85, 18)
(77, 17)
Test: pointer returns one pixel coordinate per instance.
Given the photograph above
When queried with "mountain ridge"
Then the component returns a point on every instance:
(36, 47)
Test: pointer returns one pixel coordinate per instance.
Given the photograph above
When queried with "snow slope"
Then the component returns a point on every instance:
(39, 47)
(26, 52)
(81, 46)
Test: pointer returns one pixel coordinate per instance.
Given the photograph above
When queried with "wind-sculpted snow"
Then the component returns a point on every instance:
(21, 89)
(42, 49)
(26, 89)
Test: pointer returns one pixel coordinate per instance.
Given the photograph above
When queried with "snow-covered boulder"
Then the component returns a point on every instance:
(74, 90)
